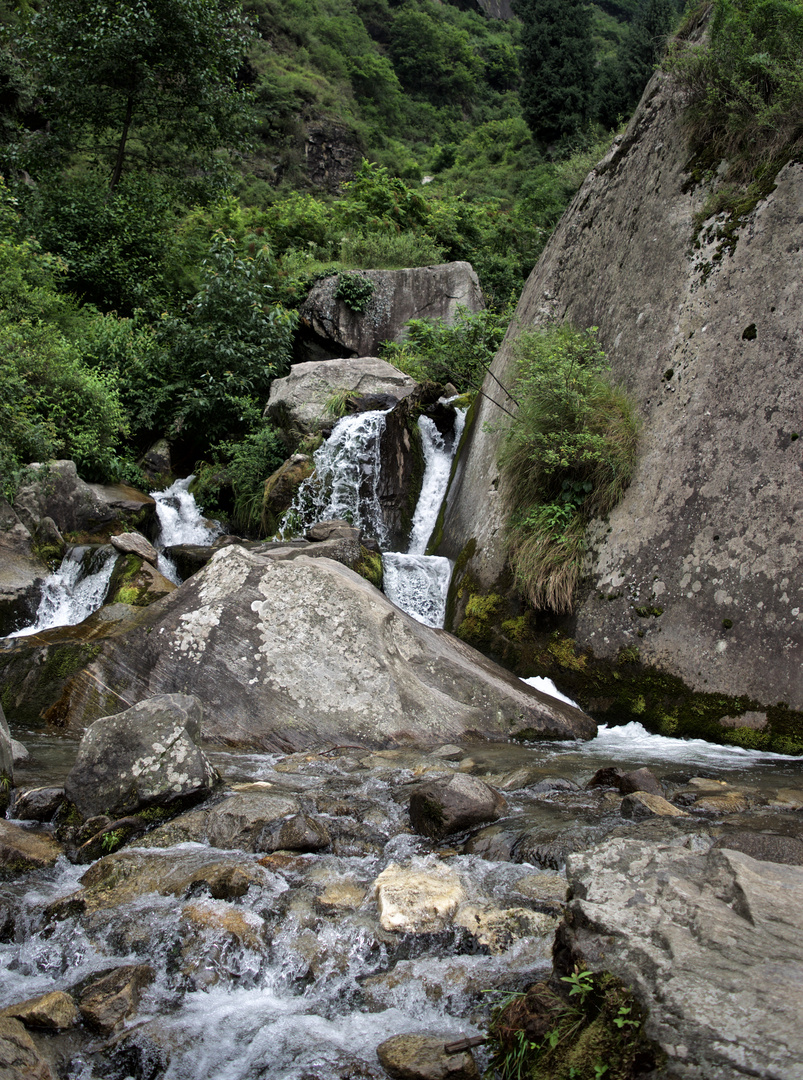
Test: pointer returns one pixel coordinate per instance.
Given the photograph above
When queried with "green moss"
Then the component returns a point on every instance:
(647, 612)
(517, 629)
(126, 595)
(370, 567)
(480, 615)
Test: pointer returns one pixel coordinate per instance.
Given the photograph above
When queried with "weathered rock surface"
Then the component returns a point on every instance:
(711, 943)
(330, 328)
(37, 804)
(6, 755)
(55, 1011)
(21, 572)
(417, 901)
(134, 543)
(137, 582)
(291, 654)
(23, 849)
(450, 805)
(145, 756)
(59, 493)
(301, 396)
(708, 341)
(643, 804)
(422, 1057)
(19, 1058)
(107, 1001)
(281, 487)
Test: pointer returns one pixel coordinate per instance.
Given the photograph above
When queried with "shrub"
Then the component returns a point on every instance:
(745, 85)
(568, 456)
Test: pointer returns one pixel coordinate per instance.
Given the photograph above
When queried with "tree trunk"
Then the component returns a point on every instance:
(118, 165)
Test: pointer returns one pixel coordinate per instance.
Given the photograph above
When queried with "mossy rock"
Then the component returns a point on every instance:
(137, 583)
(370, 567)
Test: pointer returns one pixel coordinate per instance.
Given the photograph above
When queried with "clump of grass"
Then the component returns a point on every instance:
(745, 86)
(568, 457)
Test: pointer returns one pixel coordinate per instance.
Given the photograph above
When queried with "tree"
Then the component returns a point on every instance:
(557, 66)
(161, 69)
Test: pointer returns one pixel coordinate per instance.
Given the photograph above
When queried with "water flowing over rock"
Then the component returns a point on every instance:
(288, 654)
(710, 942)
(145, 756)
(708, 341)
(74, 591)
(330, 328)
(300, 398)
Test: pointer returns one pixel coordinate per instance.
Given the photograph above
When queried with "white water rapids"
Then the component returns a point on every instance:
(180, 522)
(75, 590)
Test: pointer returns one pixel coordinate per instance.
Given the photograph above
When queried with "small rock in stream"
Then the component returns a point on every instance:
(642, 804)
(453, 804)
(19, 1058)
(37, 804)
(107, 1001)
(423, 1057)
(55, 1011)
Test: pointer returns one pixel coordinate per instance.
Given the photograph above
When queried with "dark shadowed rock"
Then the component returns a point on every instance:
(22, 572)
(640, 780)
(145, 756)
(452, 804)
(768, 847)
(423, 1057)
(606, 777)
(37, 804)
(24, 849)
(57, 492)
(6, 760)
(298, 833)
(711, 943)
(289, 654)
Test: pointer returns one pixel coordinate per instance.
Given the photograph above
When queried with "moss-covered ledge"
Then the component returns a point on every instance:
(613, 691)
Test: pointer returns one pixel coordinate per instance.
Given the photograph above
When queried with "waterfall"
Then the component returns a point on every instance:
(180, 522)
(344, 484)
(415, 582)
(75, 590)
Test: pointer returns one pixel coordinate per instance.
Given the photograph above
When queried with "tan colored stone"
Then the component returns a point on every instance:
(24, 849)
(19, 1058)
(705, 783)
(417, 901)
(641, 804)
(55, 1011)
(134, 543)
(498, 928)
(221, 918)
(732, 802)
(788, 798)
(341, 895)
(108, 1001)
(423, 1057)
(549, 887)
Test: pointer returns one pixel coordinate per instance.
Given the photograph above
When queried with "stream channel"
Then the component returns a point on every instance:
(276, 964)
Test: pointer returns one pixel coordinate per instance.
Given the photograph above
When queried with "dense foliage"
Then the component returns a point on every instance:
(568, 457)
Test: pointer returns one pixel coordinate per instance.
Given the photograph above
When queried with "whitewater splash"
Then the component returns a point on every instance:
(415, 582)
(180, 522)
(75, 590)
(345, 483)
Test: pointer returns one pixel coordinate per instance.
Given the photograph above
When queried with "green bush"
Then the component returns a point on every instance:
(568, 456)
(746, 85)
(241, 468)
(460, 353)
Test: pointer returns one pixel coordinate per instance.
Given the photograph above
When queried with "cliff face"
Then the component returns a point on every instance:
(710, 342)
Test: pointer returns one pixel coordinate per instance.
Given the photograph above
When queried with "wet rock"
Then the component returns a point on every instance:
(19, 753)
(551, 784)
(253, 635)
(37, 804)
(19, 1058)
(341, 896)
(22, 572)
(301, 397)
(56, 491)
(423, 1057)
(298, 833)
(332, 530)
(108, 838)
(548, 891)
(134, 543)
(106, 1002)
(495, 843)
(247, 820)
(642, 804)
(788, 799)
(6, 761)
(498, 928)
(453, 804)
(417, 901)
(143, 757)
(449, 752)
(767, 847)
(136, 582)
(55, 1011)
(640, 780)
(710, 942)
(23, 849)
(281, 487)
(706, 783)
(606, 777)
(218, 942)
(550, 847)
(730, 802)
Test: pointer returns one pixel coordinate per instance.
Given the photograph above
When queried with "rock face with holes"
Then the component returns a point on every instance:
(330, 328)
(711, 943)
(301, 652)
(706, 337)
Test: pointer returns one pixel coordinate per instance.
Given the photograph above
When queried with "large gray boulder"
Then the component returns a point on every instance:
(708, 340)
(145, 756)
(293, 654)
(21, 572)
(711, 943)
(300, 398)
(57, 491)
(328, 327)
(6, 754)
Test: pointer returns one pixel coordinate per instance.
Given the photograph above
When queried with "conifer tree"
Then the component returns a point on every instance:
(557, 66)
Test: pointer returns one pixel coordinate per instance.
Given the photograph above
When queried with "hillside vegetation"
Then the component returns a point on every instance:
(176, 174)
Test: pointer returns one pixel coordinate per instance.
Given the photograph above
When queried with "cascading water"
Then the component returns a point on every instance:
(180, 522)
(75, 590)
(415, 582)
(344, 484)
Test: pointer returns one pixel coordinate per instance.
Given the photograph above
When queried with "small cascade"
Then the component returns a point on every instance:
(344, 484)
(415, 582)
(75, 590)
(180, 522)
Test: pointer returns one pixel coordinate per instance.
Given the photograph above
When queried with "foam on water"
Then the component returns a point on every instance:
(546, 686)
(418, 584)
(72, 594)
(180, 522)
(634, 741)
